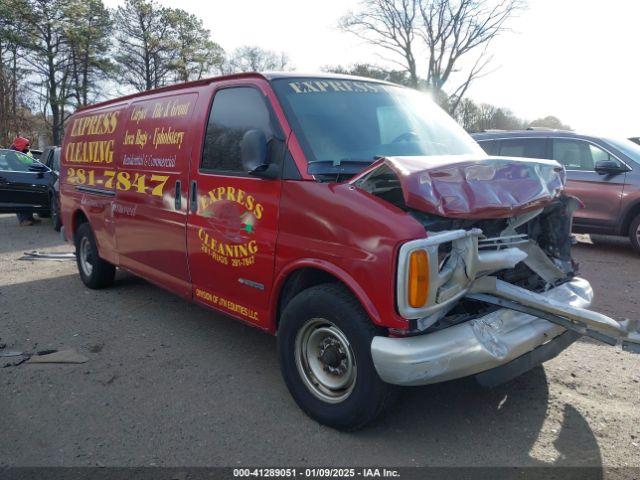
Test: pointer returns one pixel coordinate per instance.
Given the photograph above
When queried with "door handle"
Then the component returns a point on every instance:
(193, 197)
(178, 199)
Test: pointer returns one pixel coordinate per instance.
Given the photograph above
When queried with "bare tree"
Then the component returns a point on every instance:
(10, 72)
(390, 25)
(550, 122)
(145, 54)
(452, 30)
(55, 49)
(89, 36)
(197, 55)
(256, 59)
(400, 77)
(476, 118)
(44, 26)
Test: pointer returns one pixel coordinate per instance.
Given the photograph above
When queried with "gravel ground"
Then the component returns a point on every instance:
(171, 384)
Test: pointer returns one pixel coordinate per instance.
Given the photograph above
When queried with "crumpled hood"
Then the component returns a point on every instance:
(474, 187)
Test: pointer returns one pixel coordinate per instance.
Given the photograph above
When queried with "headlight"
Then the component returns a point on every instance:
(418, 281)
(425, 284)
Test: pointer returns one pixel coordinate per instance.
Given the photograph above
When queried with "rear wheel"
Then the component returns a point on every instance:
(94, 271)
(634, 233)
(324, 345)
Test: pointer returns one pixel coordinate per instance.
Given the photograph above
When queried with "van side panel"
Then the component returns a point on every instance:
(150, 208)
(88, 171)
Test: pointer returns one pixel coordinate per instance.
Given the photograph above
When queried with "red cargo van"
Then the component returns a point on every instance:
(352, 218)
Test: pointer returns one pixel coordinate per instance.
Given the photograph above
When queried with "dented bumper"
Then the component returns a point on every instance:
(475, 346)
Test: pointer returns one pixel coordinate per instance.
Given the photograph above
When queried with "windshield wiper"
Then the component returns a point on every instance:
(338, 162)
(338, 168)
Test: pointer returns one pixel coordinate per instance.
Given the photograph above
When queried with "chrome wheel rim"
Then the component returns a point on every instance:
(325, 360)
(86, 258)
(638, 234)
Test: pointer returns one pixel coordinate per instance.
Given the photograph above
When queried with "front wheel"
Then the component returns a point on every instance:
(634, 233)
(324, 346)
(94, 271)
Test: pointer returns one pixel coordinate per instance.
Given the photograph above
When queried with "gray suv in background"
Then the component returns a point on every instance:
(603, 173)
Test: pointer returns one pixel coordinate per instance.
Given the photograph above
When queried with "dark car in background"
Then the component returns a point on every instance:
(635, 140)
(26, 185)
(603, 173)
(51, 158)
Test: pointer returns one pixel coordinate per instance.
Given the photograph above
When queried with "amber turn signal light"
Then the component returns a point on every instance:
(418, 278)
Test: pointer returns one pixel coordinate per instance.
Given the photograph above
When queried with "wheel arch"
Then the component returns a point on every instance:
(632, 212)
(78, 218)
(310, 272)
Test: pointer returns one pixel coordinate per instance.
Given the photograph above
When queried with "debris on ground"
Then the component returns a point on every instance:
(63, 356)
(55, 256)
(11, 353)
(16, 360)
(17, 357)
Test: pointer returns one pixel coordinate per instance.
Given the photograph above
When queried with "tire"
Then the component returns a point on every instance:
(351, 394)
(94, 271)
(634, 233)
(55, 213)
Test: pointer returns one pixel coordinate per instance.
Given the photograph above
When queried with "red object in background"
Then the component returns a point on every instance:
(20, 144)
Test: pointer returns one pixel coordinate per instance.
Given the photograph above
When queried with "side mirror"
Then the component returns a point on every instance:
(609, 167)
(253, 155)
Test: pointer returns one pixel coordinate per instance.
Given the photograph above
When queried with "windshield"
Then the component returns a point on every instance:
(630, 149)
(343, 125)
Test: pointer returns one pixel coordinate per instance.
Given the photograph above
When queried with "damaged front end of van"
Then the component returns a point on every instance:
(492, 289)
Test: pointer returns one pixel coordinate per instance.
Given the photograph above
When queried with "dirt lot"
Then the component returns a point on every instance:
(169, 383)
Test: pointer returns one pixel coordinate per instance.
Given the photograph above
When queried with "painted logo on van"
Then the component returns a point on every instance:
(84, 147)
(229, 235)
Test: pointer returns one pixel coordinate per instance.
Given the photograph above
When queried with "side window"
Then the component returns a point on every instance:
(489, 146)
(4, 163)
(56, 160)
(47, 158)
(578, 154)
(524, 147)
(573, 154)
(15, 161)
(234, 112)
(599, 155)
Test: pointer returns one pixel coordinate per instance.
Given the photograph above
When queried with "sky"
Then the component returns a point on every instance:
(576, 59)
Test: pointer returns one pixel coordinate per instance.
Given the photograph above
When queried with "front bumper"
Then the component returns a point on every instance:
(472, 347)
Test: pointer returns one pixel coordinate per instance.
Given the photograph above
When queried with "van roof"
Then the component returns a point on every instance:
(205, 81)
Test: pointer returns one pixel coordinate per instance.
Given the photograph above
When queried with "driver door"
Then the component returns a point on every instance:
(232, 224)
